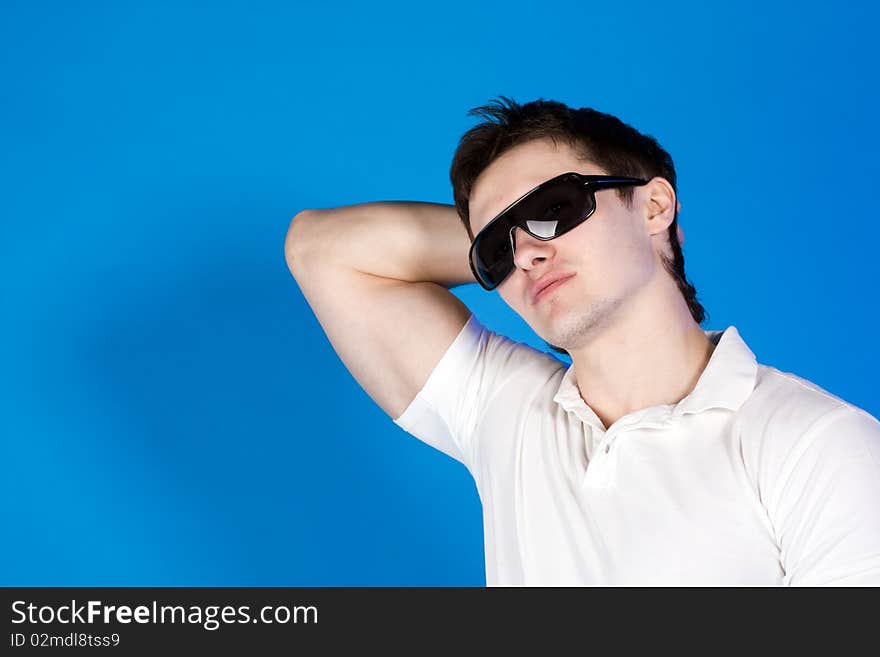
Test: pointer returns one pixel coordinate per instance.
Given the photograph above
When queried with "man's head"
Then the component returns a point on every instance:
(630, 240)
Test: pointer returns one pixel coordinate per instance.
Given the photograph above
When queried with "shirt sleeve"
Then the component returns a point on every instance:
(474, 369)
(827, 509)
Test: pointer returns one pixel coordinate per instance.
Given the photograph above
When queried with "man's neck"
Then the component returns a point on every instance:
(651, 355)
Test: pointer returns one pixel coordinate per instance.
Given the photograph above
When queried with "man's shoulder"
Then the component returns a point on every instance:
(787, 413)
(785, 393)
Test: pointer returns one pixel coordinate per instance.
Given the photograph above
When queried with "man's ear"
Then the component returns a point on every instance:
(660, 205)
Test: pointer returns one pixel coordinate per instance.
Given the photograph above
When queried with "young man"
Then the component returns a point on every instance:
(665, 455)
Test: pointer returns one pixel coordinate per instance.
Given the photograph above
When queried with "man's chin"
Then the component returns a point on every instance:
(552, 341)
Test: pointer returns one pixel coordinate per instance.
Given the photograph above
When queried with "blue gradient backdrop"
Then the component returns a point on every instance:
(172, 413)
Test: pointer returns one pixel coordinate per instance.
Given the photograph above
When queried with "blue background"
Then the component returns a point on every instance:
(172, 413)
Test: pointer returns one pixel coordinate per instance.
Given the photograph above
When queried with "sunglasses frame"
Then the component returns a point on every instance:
(592, 182)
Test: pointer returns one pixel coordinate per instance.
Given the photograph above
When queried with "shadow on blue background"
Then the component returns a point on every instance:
(172, 412)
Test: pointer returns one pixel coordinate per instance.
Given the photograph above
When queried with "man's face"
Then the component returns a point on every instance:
(611, 255)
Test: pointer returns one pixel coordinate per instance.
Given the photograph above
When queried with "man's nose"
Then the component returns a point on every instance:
(527, 249)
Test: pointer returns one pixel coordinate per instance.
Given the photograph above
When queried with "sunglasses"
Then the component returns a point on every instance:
(549, 210)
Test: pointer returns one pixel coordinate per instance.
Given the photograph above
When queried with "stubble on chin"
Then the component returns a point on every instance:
(578, 327)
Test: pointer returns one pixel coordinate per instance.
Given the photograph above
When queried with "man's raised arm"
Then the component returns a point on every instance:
(377, 276)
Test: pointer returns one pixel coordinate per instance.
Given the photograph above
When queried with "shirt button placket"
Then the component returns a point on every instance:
(610, 437)
(598, 473)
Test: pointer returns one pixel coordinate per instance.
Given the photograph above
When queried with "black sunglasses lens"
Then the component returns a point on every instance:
(553, 210)
(546, 213)
(493, 258)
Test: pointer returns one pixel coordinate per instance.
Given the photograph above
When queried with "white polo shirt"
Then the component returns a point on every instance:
(757, 477)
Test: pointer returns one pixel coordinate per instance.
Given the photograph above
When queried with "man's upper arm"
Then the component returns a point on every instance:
(390, 334)
(826, 503)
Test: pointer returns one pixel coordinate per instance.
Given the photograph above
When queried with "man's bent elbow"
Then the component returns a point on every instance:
(295, 239)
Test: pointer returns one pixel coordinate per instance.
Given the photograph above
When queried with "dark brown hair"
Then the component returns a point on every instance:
(596, 137)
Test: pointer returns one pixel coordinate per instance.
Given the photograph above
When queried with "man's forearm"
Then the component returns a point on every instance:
(405, 240)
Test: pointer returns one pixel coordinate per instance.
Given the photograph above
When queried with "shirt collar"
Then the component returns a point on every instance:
(726, 382)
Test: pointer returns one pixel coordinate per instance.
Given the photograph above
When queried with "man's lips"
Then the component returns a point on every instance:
(544, 289)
